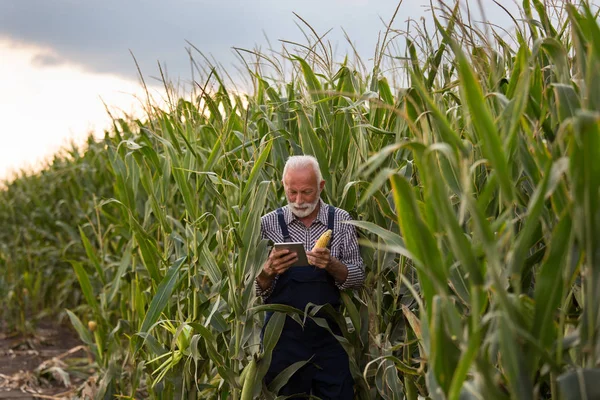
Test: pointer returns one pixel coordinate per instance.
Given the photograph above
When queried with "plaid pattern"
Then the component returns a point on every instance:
(344, 246)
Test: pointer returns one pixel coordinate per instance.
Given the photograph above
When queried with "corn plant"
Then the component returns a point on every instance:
(466, 160)
(498, 216)
(41, 215)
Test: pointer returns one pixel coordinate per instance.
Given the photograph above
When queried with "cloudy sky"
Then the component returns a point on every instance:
(61, 59)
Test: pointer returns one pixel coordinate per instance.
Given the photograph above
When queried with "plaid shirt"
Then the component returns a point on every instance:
(344, 246)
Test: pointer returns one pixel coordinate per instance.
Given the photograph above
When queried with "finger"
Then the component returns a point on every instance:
(286, 259)
(281, 257)
(314, 260)
(321, 262)
(320, 251)
(276, 253)
(285, 266)
(270, 265)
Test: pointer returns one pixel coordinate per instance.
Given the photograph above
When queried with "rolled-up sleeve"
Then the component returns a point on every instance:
(267, 292)
(352, 259)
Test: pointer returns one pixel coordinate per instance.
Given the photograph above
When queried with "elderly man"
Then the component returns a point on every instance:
(331, 269)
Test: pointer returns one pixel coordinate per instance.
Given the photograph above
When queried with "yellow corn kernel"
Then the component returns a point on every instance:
(323, 241)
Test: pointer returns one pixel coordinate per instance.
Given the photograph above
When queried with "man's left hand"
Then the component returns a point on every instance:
(319, 258)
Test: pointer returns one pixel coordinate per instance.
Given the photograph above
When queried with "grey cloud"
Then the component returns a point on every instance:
(47, 60)
(99, 34)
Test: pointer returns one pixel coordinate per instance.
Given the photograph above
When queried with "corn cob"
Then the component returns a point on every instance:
(323, 241)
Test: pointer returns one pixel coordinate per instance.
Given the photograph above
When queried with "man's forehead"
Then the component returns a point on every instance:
(299, 173)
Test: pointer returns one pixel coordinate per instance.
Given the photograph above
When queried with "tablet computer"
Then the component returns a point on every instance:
(295, 247)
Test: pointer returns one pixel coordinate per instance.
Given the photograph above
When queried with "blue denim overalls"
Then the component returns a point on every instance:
(328, 374)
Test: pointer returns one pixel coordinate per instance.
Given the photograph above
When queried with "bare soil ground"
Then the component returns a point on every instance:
(51, 364)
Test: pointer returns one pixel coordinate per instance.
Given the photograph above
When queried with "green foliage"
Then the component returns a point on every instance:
(472, 178)
(44, 217)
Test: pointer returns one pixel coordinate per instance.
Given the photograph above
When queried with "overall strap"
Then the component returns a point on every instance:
(283, 226)
(331, 222)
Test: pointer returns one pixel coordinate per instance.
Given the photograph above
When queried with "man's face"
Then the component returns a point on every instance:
(302, 191)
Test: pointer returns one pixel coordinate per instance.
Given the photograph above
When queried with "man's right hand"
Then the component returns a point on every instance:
(277, 263)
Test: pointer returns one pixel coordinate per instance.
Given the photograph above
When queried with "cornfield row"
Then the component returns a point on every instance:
(475, 187)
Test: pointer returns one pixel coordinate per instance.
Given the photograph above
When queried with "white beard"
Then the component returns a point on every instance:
(304, 209)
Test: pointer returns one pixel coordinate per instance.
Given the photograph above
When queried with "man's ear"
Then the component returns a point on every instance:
(322, 185)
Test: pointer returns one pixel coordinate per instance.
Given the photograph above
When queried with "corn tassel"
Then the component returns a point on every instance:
(323, 241)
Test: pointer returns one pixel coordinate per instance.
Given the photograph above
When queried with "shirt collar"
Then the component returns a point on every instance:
(322, 216)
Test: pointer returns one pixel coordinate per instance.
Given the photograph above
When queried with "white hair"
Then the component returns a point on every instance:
(300, 162)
